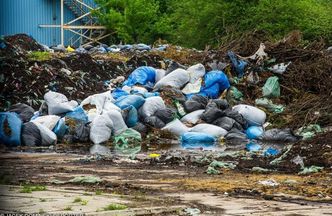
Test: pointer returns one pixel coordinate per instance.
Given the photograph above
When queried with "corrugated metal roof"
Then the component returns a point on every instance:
(25, 16)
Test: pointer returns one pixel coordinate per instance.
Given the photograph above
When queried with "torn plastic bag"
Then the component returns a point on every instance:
(271, 87)
(58, 103)
(236, 137)
(10, 129)
(47, 136)
(151, 105)
(24, 111)
(154, 121)
(176, 127)
(269, 105)
(234, 95)
(78, 114)
(196, 102)
(260, 54)
(196, 72)
(130, 116)
(140, 127)
(253, 115)
(176, 79)
(254, 132)
(227, 123)
(130, 100)
(60, 128)
(103, 102)
(279, 135)
(166, 115)
(119, 124)
(143, 75)
(192, 88)
(279, 68)
(209, 129)
(197, 140)
(48, 121)
(31, 135)
(160, 73)
(193, 117)
(117, 93)
(128, 142)
(101, 129)
(239, 65)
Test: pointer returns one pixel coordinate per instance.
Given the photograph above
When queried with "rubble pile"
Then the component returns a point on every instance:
(260, 103)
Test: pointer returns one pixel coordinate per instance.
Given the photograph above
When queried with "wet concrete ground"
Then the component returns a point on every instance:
(154, 189)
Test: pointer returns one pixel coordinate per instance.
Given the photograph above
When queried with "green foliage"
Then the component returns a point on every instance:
(113, 206)
(68, 208)
(196, 23)
(31, 188)
(39, 56)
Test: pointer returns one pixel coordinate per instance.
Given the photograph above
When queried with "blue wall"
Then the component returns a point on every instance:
(25, 16)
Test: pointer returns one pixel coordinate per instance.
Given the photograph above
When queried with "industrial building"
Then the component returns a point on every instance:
(52, 22)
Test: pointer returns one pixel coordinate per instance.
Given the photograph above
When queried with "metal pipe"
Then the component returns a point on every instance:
(62, 31)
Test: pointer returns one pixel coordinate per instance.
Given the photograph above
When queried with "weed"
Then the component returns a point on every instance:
(114, 206)
(30, 188)
(68, 208)
(39, 56)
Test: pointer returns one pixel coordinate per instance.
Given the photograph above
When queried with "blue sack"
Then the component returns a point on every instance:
(10, 129)
(253, 147)
(117, 93)
(211, 92)
(132, 116)
(271, 152)
(239, 65)
(143, 75)
(134, 100)
(197, 140)
(78, 114)
(60, 128)
(215, 82)
(254, 132)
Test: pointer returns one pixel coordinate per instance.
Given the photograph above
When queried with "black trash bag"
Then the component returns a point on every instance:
(221, 103)
(227, 123)
(79, 132)
(197, 102)
(237, 117)
(236, 136)
(24, 111)
(154, 121)
(173, 66)
(30, 135)
(140, 127)
(166, 115)
(212, 112)
(279, 135)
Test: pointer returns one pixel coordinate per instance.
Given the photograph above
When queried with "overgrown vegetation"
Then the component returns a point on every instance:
(196, 23)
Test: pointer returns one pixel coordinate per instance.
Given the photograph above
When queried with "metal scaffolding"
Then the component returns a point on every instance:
(89, 32)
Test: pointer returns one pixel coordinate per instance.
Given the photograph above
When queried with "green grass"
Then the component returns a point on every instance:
(31, 188)
(80, 200)
(68, 208)
(39, 56)
(99, 192)
(114, 206)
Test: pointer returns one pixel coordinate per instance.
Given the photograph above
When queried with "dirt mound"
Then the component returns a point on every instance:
(20, 44)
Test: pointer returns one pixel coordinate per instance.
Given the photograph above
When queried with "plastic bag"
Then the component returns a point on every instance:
(130, 116)
(119, 124)
(48, 137)
(24, 111)
(234, 95)
(142, 75)
(209, 129)
(130, 100)
(98, 149)
(31, 135)
(128, 142)
(151, 105)
(253, 115)
(154, 121)
(160, 73)
(279, 68)
(269, 105)
(101, 129)
(117, 93)
(166, 115)
(279, 135)
(192, 88)
(103, 102)
(196, 72)
(78, 114)
(10, 129)
(176, 79)
(227, 123)
(254, 132)
(176, 127)
(193, 117)
(60, 128)
(239, 65)
(191, 139)
(48, 121)
(58, 103)
(196, 102)
(271, 87)
(236, 137)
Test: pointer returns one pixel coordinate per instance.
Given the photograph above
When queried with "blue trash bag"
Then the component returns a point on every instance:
(150, 94)
(211, 92)
(143, 75)
(254, 132)
(271, 152)
(10, 129)
(60, 128)
(197, 140)
(117, 93)
(78, 114)
(134, 100)
(214, 77)
(253, 147)
(131, 116)
(239, 65)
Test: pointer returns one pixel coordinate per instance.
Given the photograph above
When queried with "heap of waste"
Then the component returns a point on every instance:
(201, 105)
